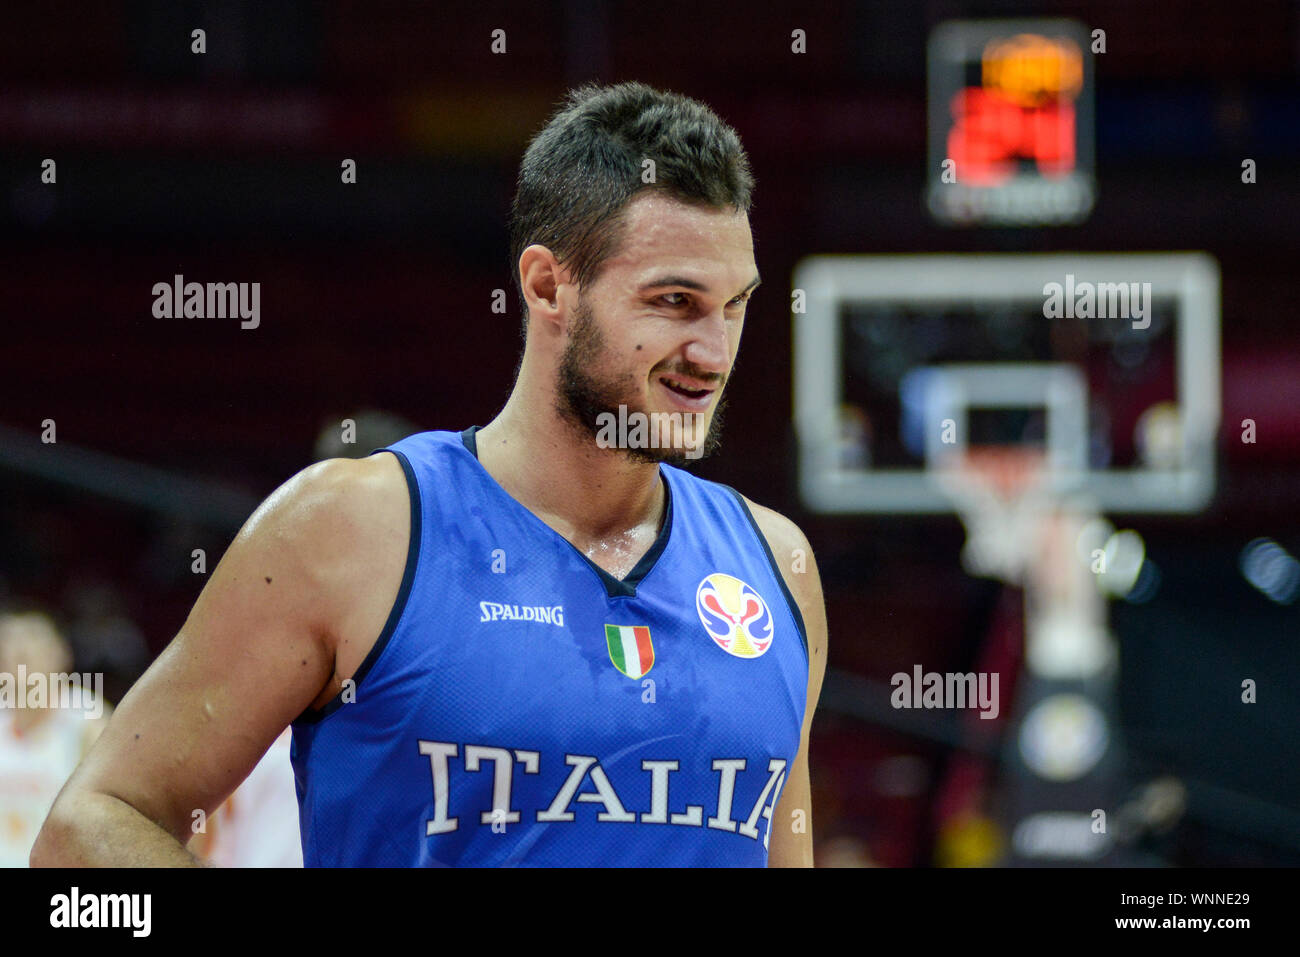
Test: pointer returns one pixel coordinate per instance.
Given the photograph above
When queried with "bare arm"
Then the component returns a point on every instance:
(791, 843)
(306, 585)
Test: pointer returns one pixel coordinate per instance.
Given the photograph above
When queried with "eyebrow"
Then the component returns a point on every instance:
(687, 283)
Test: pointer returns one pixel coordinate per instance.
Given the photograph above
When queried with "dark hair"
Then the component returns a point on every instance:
(580, 172)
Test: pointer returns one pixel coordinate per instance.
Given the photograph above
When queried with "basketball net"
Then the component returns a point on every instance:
(1000, 494)
(1022, 530)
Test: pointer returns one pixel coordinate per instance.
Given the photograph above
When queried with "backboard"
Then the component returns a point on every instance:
(1110, 363)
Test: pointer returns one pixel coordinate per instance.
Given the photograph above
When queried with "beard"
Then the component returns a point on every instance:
(584, 399)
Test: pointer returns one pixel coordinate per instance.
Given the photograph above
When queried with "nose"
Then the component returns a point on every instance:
(710, 347)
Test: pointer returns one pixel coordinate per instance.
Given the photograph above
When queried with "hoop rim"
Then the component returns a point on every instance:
(1008, 471)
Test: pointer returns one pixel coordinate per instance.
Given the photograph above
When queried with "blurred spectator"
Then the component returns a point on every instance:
(41, 745)
(370, 429)
(844, 851)
(103, 638)
(257, 826)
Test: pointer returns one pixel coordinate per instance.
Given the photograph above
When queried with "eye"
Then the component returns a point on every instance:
(666, 298)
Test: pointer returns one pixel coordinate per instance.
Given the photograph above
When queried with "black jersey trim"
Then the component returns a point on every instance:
(312, 715)
(614, 587)
(627, 586)
(776, 570)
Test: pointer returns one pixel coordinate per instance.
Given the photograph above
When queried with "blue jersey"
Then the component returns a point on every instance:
(524, 707)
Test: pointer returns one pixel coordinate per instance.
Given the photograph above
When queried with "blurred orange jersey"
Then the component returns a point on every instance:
(34, 765)
(257, 826)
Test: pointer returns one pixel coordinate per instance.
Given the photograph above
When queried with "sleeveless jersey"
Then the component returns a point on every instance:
(523, 707)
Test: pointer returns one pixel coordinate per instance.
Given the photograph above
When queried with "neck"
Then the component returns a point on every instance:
(555, 470)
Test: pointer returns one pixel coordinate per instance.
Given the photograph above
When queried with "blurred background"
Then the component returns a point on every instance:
(376, 306)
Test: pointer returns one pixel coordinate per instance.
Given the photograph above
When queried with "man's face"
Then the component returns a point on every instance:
(657, 332)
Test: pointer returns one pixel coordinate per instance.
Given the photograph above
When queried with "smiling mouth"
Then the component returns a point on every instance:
(674, 386)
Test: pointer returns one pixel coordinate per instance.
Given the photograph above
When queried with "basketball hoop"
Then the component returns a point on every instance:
(1001, 494)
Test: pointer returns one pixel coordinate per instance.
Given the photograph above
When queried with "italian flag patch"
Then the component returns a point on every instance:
(630, 649)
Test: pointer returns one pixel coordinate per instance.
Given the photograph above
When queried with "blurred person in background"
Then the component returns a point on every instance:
(844, 850)
(357, 435)
(257, 826)
(40, 745)
(103, 637)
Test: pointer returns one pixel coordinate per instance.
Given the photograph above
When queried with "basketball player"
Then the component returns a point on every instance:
(526, 643)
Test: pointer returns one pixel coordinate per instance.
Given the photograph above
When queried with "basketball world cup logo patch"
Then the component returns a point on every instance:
(734, 615)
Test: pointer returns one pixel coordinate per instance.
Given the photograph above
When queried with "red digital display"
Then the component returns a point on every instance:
(1010, 126)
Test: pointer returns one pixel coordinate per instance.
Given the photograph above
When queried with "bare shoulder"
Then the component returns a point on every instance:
(335, 498)
(791, 550)
(330, 517)
(348, 523)
(794, 557)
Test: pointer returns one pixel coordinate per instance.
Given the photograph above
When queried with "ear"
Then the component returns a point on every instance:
(541, 277)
